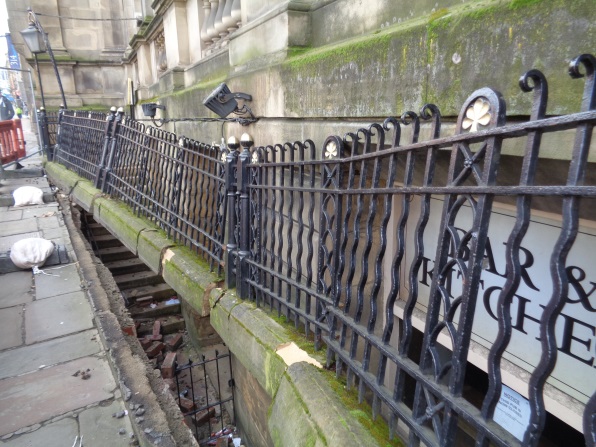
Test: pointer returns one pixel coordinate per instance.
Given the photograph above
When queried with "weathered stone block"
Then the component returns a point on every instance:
(151, 245)
(187, 275)
(62, 177)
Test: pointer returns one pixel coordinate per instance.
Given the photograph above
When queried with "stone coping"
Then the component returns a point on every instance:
(252, 336)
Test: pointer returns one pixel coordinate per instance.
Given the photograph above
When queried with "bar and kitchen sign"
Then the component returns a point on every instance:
(575, 328)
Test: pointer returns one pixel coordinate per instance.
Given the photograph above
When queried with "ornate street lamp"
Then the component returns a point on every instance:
(37, 41)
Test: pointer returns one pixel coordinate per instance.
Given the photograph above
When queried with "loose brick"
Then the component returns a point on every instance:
(157, 327)
(168, 366)
(156, 337)
(145, 343)
(130, 330)
(186, 404)
(204, 416)
(174, 342)
(155, 348)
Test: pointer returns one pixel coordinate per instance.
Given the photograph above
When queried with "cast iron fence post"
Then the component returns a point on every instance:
(106, 145)
(244, 224)
(329, 233)
(232, 244)
(57, 146)
(45, 136)
(113, 144)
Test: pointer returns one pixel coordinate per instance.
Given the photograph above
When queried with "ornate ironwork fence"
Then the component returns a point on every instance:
(48, 126)
(338, 238)
(377, 228)
(176, 182)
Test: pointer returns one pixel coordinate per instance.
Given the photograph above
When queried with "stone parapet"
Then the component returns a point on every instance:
(296, 405)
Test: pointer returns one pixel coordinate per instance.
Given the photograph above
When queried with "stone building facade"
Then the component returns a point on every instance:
(317, 68)
(325, 67)
(89, 39)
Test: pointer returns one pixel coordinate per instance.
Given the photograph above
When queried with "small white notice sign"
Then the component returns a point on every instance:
(512, 412)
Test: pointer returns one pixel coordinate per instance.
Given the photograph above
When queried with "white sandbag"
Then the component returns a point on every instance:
(31, 252)
(27, 195)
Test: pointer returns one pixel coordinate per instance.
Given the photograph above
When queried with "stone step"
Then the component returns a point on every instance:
(159, 311)
(137, 279)
(115, 254)
(106, 241)
(97, 230)
(158, 292)
(124, 266)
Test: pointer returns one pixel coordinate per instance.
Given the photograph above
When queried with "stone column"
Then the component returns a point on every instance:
(211, 33)
(144, 66)
(194, 9)
(176, 34)
(218, 24)
(205, 23)
(237, 13)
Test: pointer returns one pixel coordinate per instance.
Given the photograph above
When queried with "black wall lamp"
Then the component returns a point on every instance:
(223, 102)
(149, 110)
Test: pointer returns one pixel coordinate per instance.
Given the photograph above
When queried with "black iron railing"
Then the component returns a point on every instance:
(370, 231)
(206, 396)
(176, 182)
(48, 127)
(462, 247)
(82, 135)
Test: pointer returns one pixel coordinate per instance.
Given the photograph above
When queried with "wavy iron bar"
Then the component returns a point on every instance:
(367, 230)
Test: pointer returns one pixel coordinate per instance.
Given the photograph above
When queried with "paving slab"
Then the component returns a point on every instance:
(6, 242)
(15, 288)
(48, 222)
(59, 350)
(36, 397)
(18, 227)
(57, 316)
(11, 323)
(15, 214)
(68, 280)
(55, 234)
(98, 427)
(38, 182)
(56, 434)
(40, 210)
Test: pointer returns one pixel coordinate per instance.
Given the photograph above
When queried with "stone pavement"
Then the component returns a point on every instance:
(47, 335)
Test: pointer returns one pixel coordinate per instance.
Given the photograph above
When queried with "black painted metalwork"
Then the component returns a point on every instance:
(80, 141)
(177, 182)
(199, 387)
(338, 240)
(374, 196)
(174, 181)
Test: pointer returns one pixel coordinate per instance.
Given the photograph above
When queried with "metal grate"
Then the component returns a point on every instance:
(204, 399)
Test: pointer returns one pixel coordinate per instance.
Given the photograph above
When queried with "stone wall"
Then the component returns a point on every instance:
(87, 45)
(320, 67)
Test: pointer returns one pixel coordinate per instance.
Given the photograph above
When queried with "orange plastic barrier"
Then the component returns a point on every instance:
(12, 141)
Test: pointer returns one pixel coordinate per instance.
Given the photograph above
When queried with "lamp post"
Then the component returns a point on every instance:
(37, 41)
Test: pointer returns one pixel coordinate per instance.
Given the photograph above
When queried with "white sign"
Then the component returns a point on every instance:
(512, 412)
(575, 328)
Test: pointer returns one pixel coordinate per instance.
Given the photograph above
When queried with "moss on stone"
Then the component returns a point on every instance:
(516, 4)
(361, 411)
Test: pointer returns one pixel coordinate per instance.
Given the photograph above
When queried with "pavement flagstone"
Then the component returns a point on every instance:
(48, 335)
